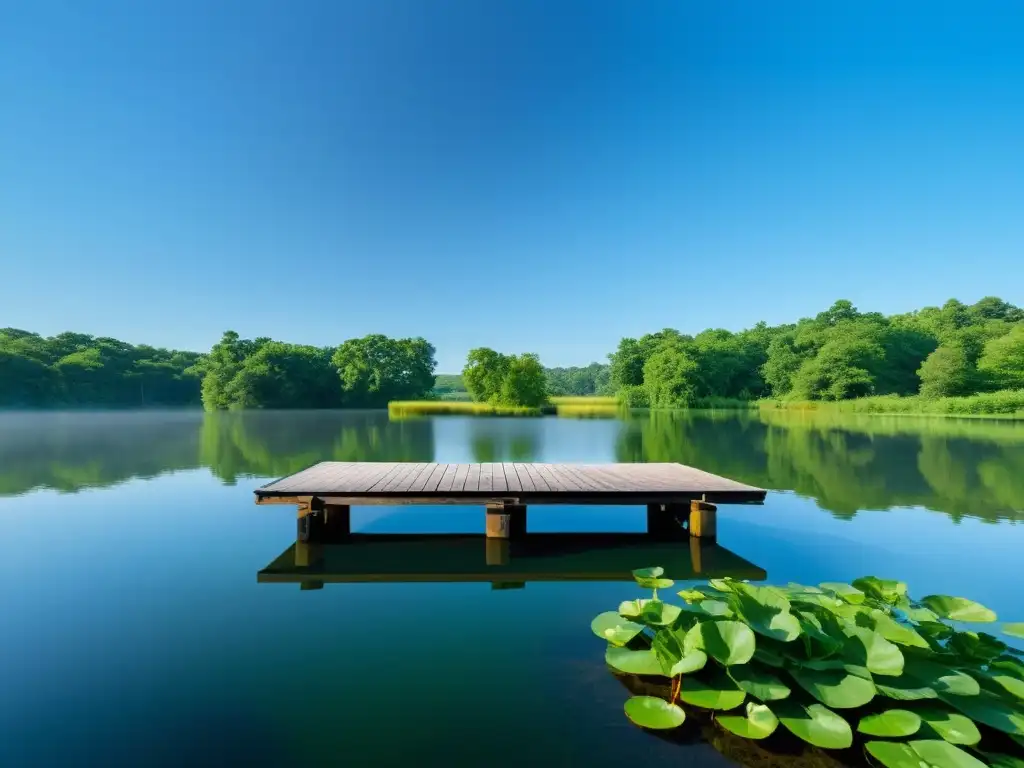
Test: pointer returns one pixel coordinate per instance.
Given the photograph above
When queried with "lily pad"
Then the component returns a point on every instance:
(892, 722)
(767, 611)
(958, 608)
(758, 683)
(659, 613)
(616, 630)
(650, 578)
(674, 657)
(1014, 630)
(990, 710)
(886, 590)
(633, 662)
(868, 648)
(925, 753)
(633, 608)
(652, 712)
(1012, 684)
(939, 677)
(835, 688)
(847, 592)
(728, 642)
(759, 722)
(815, 724)
(718, 693)
(951, 726)
(895, 632)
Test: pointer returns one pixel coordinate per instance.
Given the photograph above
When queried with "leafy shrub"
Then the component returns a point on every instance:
(916, 690)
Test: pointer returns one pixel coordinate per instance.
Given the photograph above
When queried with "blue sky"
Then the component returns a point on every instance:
(523, 174)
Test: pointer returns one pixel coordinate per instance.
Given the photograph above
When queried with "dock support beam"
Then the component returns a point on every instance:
(323, 523)
(665, 520)
(506, 521)
(703, 520)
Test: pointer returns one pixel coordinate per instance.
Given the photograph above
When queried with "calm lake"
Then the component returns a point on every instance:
(135, 631)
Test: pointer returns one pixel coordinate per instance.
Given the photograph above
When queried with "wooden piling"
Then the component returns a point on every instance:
(505, 521)
(703, 520)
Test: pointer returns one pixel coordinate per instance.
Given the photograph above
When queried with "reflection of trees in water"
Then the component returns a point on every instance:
(68, 451)
(505, 440)
(276, 443)
(72, 451)
(974, 469)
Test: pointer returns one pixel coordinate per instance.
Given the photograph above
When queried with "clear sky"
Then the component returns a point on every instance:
(530, 175)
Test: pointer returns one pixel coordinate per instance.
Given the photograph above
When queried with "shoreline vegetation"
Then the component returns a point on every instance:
(954, 360)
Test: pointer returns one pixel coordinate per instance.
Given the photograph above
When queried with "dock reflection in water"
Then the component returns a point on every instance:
(368, 557)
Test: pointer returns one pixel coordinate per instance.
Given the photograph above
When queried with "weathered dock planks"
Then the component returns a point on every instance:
(516, 483)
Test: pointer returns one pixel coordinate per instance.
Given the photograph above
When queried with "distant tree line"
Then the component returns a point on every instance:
(75, 369)
(840, 353)
(593, 379)
(360, 373)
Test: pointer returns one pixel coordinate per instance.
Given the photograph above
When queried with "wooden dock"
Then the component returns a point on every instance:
(325, 492)
(392, 557)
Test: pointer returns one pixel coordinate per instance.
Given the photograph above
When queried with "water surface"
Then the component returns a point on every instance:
(136, 632)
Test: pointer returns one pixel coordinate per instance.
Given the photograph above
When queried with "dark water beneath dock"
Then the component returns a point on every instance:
(135, 632)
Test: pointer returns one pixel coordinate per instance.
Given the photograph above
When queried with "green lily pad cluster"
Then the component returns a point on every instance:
(831, 664)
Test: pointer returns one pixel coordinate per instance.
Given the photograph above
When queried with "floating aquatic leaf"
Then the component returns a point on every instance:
(868, 648)
(951, 726)
(691, 595)
(722, 585)
(990, 710)
(924, 753)
(835, 688)
(759, 722)
(979, 646)
(815, 724)
(886, 590)
(659, 613)
(616, 630)
(892, 722)
(633, 608)
(905, 689)
(917, 613)
(717, 693)
(766, 611)
(939, 677)
(848, 593)
(674, 658)
(728, 642)
(895, 632)
(650, 578)
(1009, 682)
(633, 662)
(958, 608)
(652, 712)
(716, 608)
(1014, 630)
(758, 683)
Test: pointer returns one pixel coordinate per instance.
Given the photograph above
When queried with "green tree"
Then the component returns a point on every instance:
(377, 369)
(484, 373)
(1003, 359)
(671, 377)
(524, 383)
(947, 371)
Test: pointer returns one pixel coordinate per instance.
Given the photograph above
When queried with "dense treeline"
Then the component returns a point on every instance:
(510, 380)
(839, 354)
(361, 373)
(593, 379)
(75, 369)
